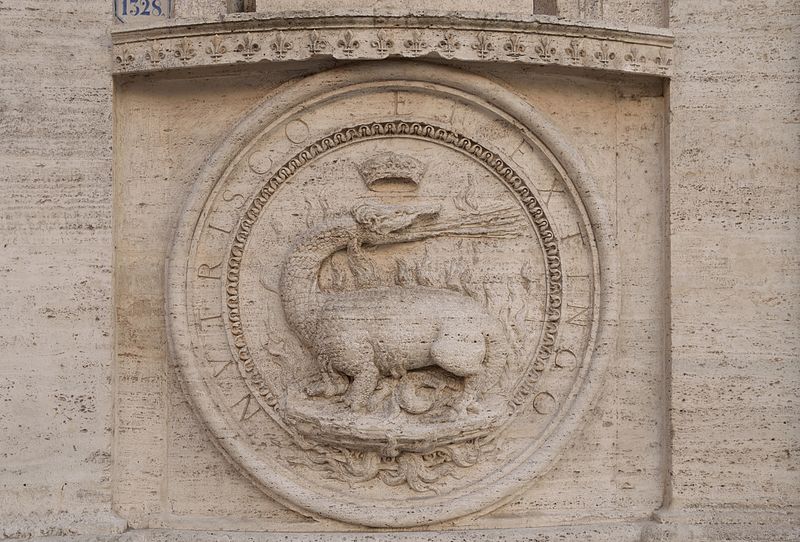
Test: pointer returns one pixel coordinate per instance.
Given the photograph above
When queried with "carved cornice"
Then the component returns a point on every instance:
(259, 38)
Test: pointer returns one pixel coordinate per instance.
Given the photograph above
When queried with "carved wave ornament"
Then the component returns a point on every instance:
(391, 322)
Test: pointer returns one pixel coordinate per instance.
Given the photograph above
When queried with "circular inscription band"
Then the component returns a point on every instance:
(392, 294)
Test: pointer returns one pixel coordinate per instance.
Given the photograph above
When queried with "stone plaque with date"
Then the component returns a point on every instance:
(384, 295)
(131, 11)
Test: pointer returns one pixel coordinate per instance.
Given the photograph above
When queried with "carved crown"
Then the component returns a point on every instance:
(390, 166)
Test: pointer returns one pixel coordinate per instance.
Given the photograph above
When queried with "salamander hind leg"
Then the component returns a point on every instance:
(328, 383)
(461, 352)
(356, 361)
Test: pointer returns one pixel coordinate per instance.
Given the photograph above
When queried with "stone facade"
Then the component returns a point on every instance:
(228, 230)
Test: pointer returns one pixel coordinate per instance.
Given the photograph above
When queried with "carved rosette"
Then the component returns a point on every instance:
(384, 303)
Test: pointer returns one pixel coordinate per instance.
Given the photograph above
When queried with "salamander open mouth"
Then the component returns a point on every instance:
(386, 219)
(407, 223)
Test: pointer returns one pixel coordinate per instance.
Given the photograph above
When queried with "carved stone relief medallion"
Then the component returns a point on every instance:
(384, 295)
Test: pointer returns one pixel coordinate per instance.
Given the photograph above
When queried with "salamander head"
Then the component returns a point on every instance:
(386, 224)
(383, 220)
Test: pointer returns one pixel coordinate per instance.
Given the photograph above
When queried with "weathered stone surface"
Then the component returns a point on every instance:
(56, 325)
(693, 431)
(199, 8)
(544, 7)
(735, 236)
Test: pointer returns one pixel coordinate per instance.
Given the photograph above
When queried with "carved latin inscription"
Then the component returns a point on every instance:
(395, 297)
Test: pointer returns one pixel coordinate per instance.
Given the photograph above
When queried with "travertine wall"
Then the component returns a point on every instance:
(735, 236)
(734, 259)
(56, 267)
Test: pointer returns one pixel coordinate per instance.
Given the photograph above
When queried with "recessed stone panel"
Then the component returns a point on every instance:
(472, 259)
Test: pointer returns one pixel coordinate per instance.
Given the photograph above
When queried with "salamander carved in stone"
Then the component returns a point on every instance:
(360, 335)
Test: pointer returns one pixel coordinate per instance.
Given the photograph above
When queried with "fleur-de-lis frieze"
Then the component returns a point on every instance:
(248, 47)
(383, 43)
(125, 59)
(662, 63)
(184, 51)
(155, 53)
(416, 44)
(449, 44)
(483, 46)
(348, 44)
(574, 51)
(514, 47)
(545, 50)
(604, 55)
(217, 48)
(317, 43)
(634, 59)
(280, 46)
